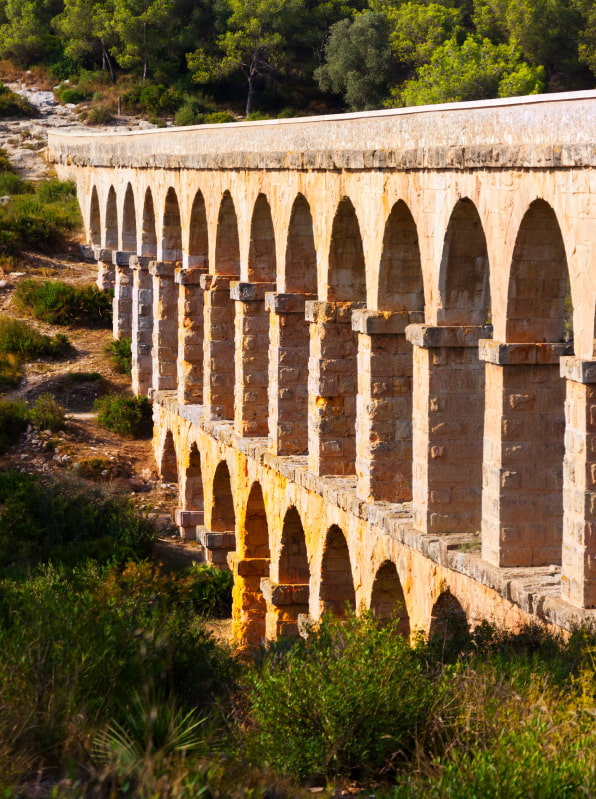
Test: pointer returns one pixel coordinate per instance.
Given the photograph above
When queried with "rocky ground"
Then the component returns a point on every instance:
(83, 445)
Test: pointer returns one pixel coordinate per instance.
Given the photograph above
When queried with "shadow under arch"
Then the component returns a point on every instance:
(455, 476)
(347, 276)
(464, 278)
(223, 516)
(387, 598)
(171, 243)
(111, 224)
(148, 234)
(198, 237)
(227, 247)
(401, 286)
(538, 294)
(529, 396)
(261, 254)
(129, 222)
(449, 628)
(94, 219)
(193, 489)
(300, 271)
(337, 584)
(168, 466)
(250, 606)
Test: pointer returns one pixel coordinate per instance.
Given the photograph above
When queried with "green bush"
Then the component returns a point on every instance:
(61, 303)
(48, 414)
(53, 191)
(13, 105)
(100, 115)
(127, 416)
(155, 100)
(5, 165)
(37, 220)
(120, 353)
(347, 701)
(218, 117)
(14, 418)
(13, 184)
(71, 95)
(66, 520)
(19, 338)
(210, 589)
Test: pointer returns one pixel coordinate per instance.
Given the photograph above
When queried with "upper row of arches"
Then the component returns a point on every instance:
(538, 295)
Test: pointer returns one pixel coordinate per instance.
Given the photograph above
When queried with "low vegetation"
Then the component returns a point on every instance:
(36, 217)
(109, 674)
(61, 303)
(130, 417)
(120, 354)
(13, 105)
(19, 343)
(47, 413)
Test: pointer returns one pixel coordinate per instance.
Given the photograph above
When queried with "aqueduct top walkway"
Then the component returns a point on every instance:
(401, 299)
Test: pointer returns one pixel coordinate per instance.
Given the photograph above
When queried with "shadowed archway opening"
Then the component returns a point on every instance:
(290, 337)
(387, 599)
(454, 491)
(301, 257)
(111, 226)
(523, 517)
(255, 553)
(95, 219)
(198, 240)
(449, 628)
(129, 222)
(227, 247)
(347, 276)
(293, 575)
(538, 299)
(149, 236)
(388, 473)
(172, 230)
(168, 467)
(193, 489)
(223, 517)
(337, 584)
(261, 253)
(465, 289)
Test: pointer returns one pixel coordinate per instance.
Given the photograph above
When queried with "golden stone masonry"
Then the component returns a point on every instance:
(369, 341)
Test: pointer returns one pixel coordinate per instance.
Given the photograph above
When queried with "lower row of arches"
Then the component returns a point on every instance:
(280, 587)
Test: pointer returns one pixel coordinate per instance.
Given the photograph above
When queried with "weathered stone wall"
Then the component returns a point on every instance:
(373, 336)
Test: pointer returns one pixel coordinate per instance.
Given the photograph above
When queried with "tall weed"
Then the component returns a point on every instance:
(60, 303)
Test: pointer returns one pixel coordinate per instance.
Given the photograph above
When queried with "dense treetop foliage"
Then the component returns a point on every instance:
(292, 56)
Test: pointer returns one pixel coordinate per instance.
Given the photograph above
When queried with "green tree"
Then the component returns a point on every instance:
(359, 62)
(87, 30)
(475, 70)
(25, 35)
(143, 29)
(256, 42)
(417, 29)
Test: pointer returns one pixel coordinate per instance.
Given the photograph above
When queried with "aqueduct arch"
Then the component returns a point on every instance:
(366, 320)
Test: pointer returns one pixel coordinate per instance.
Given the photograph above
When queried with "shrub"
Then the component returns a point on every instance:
(60, 303)
(210, 589)
(13, 105)
(48, 414)
(120, 353)
(13, 184)
(20, 339)
(5, 165)
(14, 418)
(127, 416)
(100, 115)
(219, 117)
(73, 96)
(66, 520)
(34, 221)
(188, 114)
(52, 191)
(347, 701)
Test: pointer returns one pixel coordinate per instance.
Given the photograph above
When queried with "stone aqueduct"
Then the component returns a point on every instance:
(369, 340)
